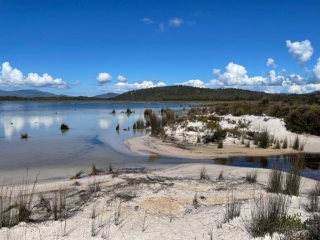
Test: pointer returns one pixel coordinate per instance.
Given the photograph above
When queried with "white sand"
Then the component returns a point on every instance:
(161, 208)
(231, 146)
(159, 205)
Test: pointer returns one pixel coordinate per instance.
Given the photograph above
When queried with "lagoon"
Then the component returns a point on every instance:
(91, 139)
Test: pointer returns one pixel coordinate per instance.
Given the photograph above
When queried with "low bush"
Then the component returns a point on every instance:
(251, 177)
(270, 215)
(233, 208)
(313, 227)
(264, 140)
(304, 119)
(285, 143)
(275, 182)
(293, 177)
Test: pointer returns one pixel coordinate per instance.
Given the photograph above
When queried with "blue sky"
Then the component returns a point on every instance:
(82, 47)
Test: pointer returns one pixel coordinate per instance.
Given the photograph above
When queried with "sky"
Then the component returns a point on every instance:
(82, 47)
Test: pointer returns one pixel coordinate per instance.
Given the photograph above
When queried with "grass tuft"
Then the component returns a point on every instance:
(276, 178)
(293, 177)
(220, 177)
(203, 174)
(77, 175)
(24, 136)
(251, 177)
(270, 215)
(232, 208)
(64, 126)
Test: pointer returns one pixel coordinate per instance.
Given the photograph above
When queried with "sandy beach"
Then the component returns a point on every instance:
(154, 205)
(175, 146)
(170, 203)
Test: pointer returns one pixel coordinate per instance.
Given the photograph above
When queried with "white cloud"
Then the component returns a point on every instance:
(270, 62)
(121, 78)
(293, 79)
(103, 78)
(237, 75)
(14, 78)
(124, 86)
(297, 89)
(161, 27)
(283, 72)
(175, 22)
(147, 20)
(300, 50)
(316, 70)
(76, 83)
(192, 83)
(275, 80)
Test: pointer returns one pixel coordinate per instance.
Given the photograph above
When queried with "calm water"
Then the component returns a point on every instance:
(91, 139)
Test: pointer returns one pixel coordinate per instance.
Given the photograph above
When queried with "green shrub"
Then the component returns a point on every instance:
(264, 140)
(275, 183)
(293, 177)
(270, 215)
(313, 227)
(285, 143)
(232, 209)
(296, 143)
(304, 119)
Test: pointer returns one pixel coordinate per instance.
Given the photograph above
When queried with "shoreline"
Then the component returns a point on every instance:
(146, 145)
(151, 205)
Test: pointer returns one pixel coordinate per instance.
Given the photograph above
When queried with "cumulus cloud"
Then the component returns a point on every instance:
(125, 86)
(192, 83)
(237, 75)
(275, 80)
(270, 62)
(316, 70)
(161, 27)
(175, 22)
(300, 50)
(147, 20)
(301, 89)
(103, 78)
(76, 83)
(121, 78)
(14, 78)
(283, 72)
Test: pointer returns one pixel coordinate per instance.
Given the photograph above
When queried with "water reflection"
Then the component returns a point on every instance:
(153, 157)
(104, 123)
(15, 124)
(309, 169)
(12, 125)
(64, 131)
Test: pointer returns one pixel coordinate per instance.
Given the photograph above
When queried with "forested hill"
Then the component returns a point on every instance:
(186, 93)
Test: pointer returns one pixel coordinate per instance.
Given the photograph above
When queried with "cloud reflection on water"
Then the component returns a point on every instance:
(16, 124)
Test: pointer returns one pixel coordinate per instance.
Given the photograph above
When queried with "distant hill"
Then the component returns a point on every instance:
(186, 93)
(26, 93)
(107, 95)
